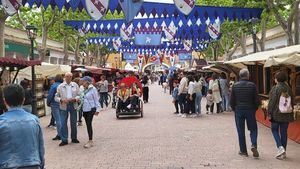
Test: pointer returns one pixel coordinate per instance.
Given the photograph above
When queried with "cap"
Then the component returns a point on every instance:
(87, 78)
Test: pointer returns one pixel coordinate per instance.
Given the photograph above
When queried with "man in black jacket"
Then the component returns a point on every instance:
(244, 102)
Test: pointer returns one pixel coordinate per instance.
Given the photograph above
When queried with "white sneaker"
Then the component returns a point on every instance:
(89, 144)
(184, 116)
(280, 152)
(284, 155)
(179, 114)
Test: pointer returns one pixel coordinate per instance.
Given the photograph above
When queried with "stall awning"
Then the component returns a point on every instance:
(17, 62)
(289, 56)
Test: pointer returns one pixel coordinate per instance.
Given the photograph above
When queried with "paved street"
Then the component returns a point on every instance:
(164, 141)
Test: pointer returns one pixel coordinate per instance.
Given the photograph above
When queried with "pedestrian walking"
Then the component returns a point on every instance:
(52, 120)
(89, 103)
(68, 96)
(198, 95)
(214, 85)
(175, 97)
(103, 90)
(21, 137)
(280, 110)
(28, 96)
(183, 92)
(224, 84)
(209, 102)
(81, 88)
(244, 102)
(145, 84)
(55, 105)
(191, 96)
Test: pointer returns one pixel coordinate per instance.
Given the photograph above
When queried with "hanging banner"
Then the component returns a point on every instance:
(185, 6)
(129, 56)
(11, 6)
(187, 44)
(140, 60)
(214, 30)
(126, 32)
(96, 8)
(130, 8)
(151, 37)
(183, 55)
(170, 32)
(117, 44)
(172, 59)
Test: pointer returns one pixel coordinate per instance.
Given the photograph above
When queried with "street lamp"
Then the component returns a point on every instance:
(253, 22)
(31, 33)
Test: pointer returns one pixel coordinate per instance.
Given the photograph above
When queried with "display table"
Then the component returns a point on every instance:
(293, 131)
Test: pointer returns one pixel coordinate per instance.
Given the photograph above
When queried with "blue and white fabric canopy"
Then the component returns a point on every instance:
(186, 28)
(159, 10)
(167, 47)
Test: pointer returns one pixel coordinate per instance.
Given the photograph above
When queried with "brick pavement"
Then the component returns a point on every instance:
(161, 140)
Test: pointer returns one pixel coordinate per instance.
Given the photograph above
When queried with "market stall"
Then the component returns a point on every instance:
(263, 66)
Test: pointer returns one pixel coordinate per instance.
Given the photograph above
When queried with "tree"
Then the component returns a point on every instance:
(3, 17)
(286, 12)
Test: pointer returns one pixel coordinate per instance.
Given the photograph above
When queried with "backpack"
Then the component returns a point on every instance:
(285, 103)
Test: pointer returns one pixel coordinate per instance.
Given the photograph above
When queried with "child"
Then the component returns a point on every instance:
(209, 102)
(175, 97)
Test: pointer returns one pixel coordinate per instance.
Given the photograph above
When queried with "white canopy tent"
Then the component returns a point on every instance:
(45, 70)
(287, 56)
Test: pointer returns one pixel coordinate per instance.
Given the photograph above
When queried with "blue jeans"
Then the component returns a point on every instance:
(198, 102)
(225, 102)
(280, 139)
(56, 114)
(249, 116)
(64, 122)
(103, 99)
(183, 103)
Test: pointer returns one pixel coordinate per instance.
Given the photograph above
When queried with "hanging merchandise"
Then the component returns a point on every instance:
(117, 44)
(172, 59)
(129, 56)
(170, 31)
(214, 30)
(96, 8)
(130, 8)
(185, 6)
(140, 60)
(126, 32)
(148, 36)
(187, 44)
(11, 6)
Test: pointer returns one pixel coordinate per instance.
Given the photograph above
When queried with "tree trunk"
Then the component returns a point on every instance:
(262, 41)
(243, 43)
(43, 48)
(296, 26)
(77, 58)
(2, 27)
(66, 51)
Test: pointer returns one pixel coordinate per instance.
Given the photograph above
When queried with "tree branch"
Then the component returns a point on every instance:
(279, 18)
(22, 21)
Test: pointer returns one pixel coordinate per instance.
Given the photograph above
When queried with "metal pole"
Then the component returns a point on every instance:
(33, 88)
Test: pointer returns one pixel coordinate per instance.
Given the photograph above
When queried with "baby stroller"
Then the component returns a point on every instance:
(138, 110)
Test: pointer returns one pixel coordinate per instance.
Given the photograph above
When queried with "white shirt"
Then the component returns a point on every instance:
(183, 85)
(69, 91)
(91, 100)
(191, 88)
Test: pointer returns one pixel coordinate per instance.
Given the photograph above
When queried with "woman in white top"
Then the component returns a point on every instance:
(198, 93)
(216, 93)
(90, 106)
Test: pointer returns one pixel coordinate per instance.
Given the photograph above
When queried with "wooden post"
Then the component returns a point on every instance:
(293, 79)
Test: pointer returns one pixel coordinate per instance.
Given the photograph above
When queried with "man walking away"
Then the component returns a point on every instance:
(183, 92)
(68, 96)
(244, 102)
(21, 137)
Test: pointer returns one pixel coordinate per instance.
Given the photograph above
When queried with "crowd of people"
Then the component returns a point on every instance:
(188, 89)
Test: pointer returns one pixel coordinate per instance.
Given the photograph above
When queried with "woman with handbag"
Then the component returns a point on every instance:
(280, 110)
(90, 106)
